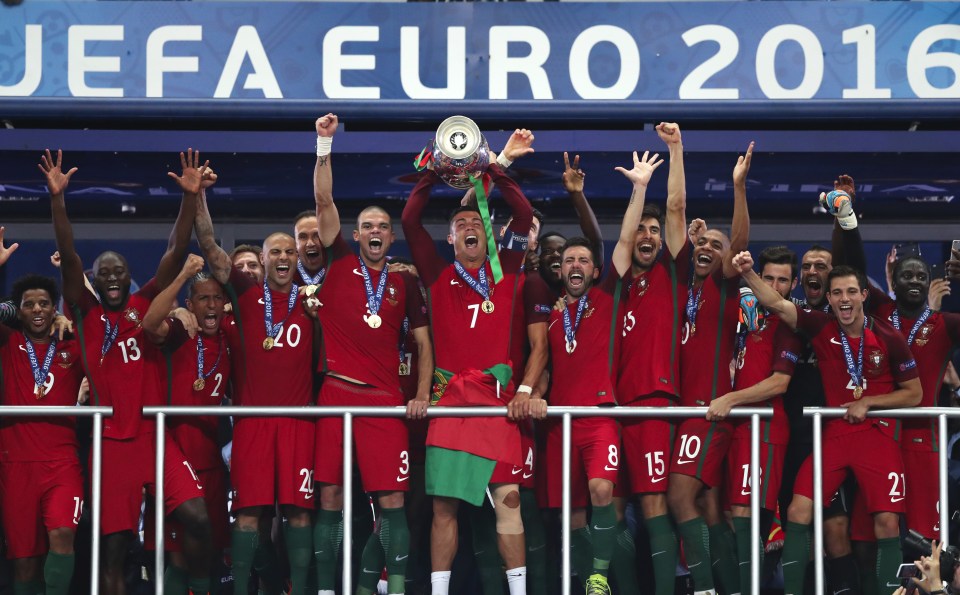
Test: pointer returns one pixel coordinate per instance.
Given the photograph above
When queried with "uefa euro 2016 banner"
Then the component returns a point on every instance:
(564, 51)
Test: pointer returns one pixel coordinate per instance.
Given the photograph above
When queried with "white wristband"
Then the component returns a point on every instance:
(523, 388)
(503, 161)
(848, 222)
(324, 145)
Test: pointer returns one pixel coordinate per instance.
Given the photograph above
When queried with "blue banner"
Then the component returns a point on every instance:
(593, 52)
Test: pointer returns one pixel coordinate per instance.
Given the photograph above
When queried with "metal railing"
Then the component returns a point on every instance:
(567, 413)
(818, 413)
(97, 413)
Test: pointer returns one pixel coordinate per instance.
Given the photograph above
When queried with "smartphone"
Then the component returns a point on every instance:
(937, 271)
(956, 246)
(908, 571)
(907, 250)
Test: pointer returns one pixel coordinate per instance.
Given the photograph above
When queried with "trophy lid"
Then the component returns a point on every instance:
(458, 137)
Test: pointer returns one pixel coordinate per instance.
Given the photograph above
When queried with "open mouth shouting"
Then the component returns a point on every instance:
(471, 241)
(845, 313)
(113, 292)
(813, 287)
(575, 281)
(376, 245)
(283, 270)
(210, 322)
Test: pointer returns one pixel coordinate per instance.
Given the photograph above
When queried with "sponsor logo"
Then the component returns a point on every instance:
(454, 282)
(835, 341)
(908, 365)
(516, 470)
(527, 475)
(609, 468)
(657, 480)
(401, 558)
(596, 528)
(541, 308)
(789, 355)
(401, 478)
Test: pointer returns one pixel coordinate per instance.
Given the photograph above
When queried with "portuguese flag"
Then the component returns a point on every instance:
(462, 452)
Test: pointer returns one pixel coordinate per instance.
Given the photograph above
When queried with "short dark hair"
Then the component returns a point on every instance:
(550, 234)
(469, 208)
(245, 248)
(902, 261)
(843, 270)
(778, 255)
(582, 241)
(538, 216)
(303, 215)
(817, 248)
(198, 278)
(651, 210)
(28, 282)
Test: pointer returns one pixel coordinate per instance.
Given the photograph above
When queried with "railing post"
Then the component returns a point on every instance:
(565, 516)
(95, 474)
(347, 503)
(756, 540)
(158, 508)
(818, 501)
(944, 479)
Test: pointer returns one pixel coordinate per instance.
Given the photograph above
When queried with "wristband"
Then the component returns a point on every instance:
(324, 145)
(848, 222)
(523, 388)
(937, 592)
(503, 161)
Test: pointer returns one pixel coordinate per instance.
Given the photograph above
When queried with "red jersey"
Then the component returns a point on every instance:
(129, 375)
(588, 375)
(887, 361)
(774, 343)
(933, 344)
(196, 436)
(652, 325)
(707, 343)
(26, 439)
(353, 348)
(464, 335)
(283, 374)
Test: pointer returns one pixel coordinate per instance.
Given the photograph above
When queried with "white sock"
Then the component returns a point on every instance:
(325, 592)
(440, 582)
(707, 592)
(517, 580)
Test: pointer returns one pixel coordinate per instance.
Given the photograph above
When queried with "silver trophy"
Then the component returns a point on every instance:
(460, 151)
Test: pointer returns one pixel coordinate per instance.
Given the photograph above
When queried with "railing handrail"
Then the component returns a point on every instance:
(400, 411)
(906, 412)
(53, 411)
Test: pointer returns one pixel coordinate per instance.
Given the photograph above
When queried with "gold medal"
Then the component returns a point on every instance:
(268, 344)
(374, 321)
(571, 346)
(693, 328)
(487, 307)
(40, 391)
(404, 369)
(858, 392)
(198, 384)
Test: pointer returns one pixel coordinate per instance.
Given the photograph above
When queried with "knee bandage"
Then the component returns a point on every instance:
(506, 505)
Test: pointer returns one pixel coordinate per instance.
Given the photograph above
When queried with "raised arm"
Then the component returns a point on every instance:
(740, 228)
(675, 226)
(573, 178)
(179, 241)
(639, 176)
(327, 216)
(846, 243)
(6, 251)
(519, 144)
(71, 268)
(155, 320)
(217, 258)
(422, 249)
(521, 210)
(767, 295)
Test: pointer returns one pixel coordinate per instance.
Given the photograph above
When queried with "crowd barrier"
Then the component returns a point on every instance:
(818, 413)
(567, 413)
(97, 413)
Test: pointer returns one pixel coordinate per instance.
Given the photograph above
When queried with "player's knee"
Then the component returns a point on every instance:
(115, 550)
(26, 570)
(601, 492)
(800, 511)
(836, 536)
(444, 509)
(653, 505)
(886, 525)
(331, 497)
(506, 505)
(391, 499)
(193, 515)
(61, 540)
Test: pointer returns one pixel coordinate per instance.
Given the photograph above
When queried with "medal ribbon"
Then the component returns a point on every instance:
(482, 185)
(200, 373)
(40, 373)
(481, 286)
(425, 157)
(374, 300)
(109, 336)
(570, 330)
(692, 302)
(273, 329)
(856, 372)
(404, 329)
(317, 280)
(895, 319)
